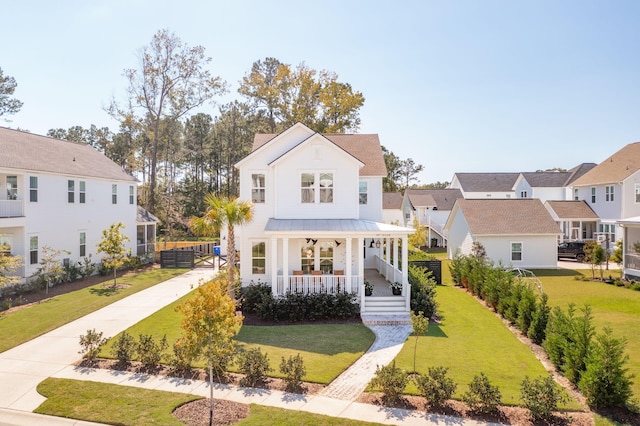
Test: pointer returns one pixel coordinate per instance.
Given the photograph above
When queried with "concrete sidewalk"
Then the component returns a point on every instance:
(23, 367)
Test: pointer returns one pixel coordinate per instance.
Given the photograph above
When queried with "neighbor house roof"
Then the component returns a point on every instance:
(364, 147)
(546, 179)
(487, 182)
(614, 169)
(443, 199)
(391, 200)
(578, 171)
(511, 216)
(571, 209)
(144, 216)
(26, 151)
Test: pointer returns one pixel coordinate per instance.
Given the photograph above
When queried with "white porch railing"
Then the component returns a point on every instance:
(319, 284)
(632, 261)
(387, 270)
(11, 208)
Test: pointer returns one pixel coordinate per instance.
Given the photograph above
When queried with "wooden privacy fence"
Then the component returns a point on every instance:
(186, 256)
(435, 266)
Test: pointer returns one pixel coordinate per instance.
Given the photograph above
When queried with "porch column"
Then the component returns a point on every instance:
(405, 272)
(360, 258)
(285, 264)
(347, 264)
(395, 254)
(387, 248)
(274, 266)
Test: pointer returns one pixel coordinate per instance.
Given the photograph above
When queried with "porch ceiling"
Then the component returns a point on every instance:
(332, 227)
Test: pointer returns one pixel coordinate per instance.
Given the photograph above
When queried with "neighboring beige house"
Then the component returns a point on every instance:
(517, 232)
(485, 185)
(576, 219)
(392, 208)
(318, 216)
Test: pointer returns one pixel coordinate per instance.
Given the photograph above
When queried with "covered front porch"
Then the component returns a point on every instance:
(333, 256)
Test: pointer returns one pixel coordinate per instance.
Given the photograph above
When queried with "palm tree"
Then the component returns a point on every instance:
(223, 211)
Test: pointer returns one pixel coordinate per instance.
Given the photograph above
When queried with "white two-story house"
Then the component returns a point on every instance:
(317, 222)
(61, 195)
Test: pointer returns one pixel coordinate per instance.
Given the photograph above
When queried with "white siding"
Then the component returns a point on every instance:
(538, 251)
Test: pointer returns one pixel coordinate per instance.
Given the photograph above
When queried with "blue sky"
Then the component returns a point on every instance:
(459, 86)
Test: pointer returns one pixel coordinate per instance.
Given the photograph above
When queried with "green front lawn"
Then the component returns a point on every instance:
(327, 349)
(124, 405)
(25, 324)
(472, 339)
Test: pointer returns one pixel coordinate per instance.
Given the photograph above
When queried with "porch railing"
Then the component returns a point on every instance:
(387, 270)
(332, 284)
(11, 208)
(632, 261)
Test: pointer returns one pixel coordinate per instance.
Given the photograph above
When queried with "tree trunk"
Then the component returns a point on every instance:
(231, 255)
(152, 178)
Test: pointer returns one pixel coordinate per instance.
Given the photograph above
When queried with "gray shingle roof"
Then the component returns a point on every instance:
(487, 182)
(443, 199)
(364, 147)
(144, 216)
(511, 216)
(546, 179)
(27, 151)
(572, 209)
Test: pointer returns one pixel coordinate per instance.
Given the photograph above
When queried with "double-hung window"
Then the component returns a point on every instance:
(258, 258)
(326, 257)
(637, 191)
(114, 193)
(33, 189)
(516, 252)
(131, 193)
(83, 244)
(12, 187)
(5, 245)
(257, 188)
(362, 191)
(593, 195)
(82, 192)
(608, 193)
(523, 194)
(575, 194)
(33, 250)
(71, 191)
(316, 187)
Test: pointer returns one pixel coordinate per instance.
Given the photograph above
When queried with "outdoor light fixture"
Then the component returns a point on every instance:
(378, 244)
(372, 243)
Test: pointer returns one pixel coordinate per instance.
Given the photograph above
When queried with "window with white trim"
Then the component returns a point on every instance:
(33, 189)
(516, 252)
(71, 191)
(593, 195)
(33, 250)
(322, 181)
(523, 194)
(12, 187)
(362, 191)
(257, 188)
(5, 245)
(307, 259)
(575, 194)
(82, 192)
(114, 193)
(258, 257)
(131, 195)
(608, 231)
(326, 257)
(83, 244)
(637, 191)
(608, 193)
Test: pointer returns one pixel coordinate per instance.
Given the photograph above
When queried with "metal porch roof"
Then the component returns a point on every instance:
(333, 227)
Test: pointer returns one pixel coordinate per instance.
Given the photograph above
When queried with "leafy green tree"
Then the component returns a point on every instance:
(113, 246)
(171, 81)
(594, 255)
(540, 319)
(8, 104)
(8, 266)
(419, 236)
(220, 212)
(408, 170)
(51, 270)
(420, 325)
(616, 256)
(209, 324)
(391, 182)
(261, 87)
(606, 381)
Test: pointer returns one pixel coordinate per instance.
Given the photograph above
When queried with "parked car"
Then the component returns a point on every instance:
(571, 250)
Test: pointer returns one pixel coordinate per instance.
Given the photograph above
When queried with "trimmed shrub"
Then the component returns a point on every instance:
(606, 382)
(183, 356)
(149, 351)
(391, 381)
(423, 291)
(539, 320)
(254, 365)
(482, 396)
(253, 295)
(526, 308)
(435, 386)
(294, 371)
(308, 307)
(541, 396)
(91, 344)
(123, 348)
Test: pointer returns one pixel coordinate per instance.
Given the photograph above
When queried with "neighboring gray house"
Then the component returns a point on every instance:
(431, 207)
(392, 208)
(485, 185)
(518, 232)
(549, 185)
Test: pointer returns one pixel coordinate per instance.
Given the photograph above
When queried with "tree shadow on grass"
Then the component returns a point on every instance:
(108, 290)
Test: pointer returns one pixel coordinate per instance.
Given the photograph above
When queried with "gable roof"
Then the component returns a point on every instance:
(570, 209)
(391, 200)
(443, 198)
(510, 216)
(27, 151)
(546, 179)
(145, 216)
(578, 171)
(487, 182)
(364, 147)
(614, 169)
